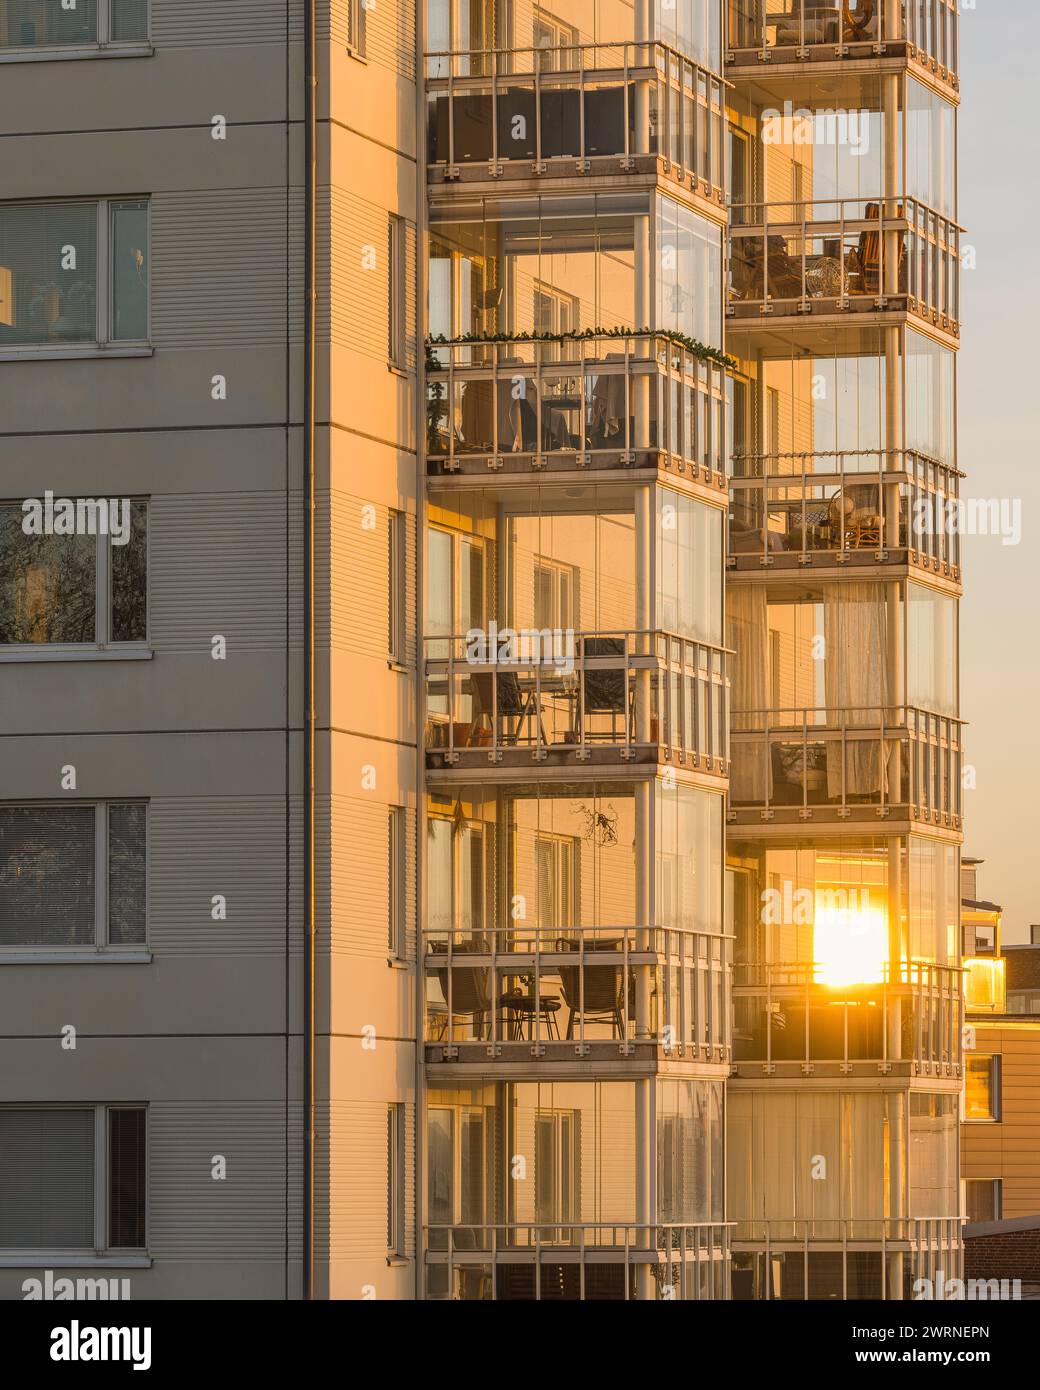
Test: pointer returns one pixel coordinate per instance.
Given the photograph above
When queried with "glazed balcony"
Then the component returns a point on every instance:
(852, 763)
(621, 401)
(604, 995)
(583, 109)
(560, 698)
(836, 257)
(789, 511)
(790, 1020)
(788, 31)
(578, 1260)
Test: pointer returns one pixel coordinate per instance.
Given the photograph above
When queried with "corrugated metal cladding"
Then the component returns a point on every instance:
(217, 564)
(195, 23)
(203, 845)
(355, 266)
(358, 877)
(389, 31)
(191, 1215)
(220, 267)
(353, 563)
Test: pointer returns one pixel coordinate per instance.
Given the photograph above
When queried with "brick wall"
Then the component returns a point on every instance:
(1007, 1255)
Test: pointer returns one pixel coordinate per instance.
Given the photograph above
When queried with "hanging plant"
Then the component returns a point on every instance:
(671, 335)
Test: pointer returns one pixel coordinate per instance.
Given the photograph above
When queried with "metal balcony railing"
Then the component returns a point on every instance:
(842, 1257)
(535, 695)
(844, 507)
(847, 762)
(789, 1013)
(518, 992)
(785, 30)
(518, 405)
(575, 109)
(836, 254)
(575, 1260)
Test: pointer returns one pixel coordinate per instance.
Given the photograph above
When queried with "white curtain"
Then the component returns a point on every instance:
(747, 635)
(855, 630)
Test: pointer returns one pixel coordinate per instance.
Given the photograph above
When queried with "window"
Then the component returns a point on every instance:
(555, 860)
(396, 586)
(50, 1163)
(395, 1139)
(557, 1172)
(981, 1087)
(556, 588)
(356, 26)
(395, 277)
(395, 852)
(557, 41)
(984, 1199)
(34, 24)
(73, 274)
(73, 572)
(73, 876)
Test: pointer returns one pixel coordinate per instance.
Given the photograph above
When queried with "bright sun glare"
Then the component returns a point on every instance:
(850, 945)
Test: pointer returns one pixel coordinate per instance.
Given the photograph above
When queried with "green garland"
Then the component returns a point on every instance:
(691, 345)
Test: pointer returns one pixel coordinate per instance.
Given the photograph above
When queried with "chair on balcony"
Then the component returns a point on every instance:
(602, 1000)
(516, 706)
(865, 262)
(605, 690)
(470, 985)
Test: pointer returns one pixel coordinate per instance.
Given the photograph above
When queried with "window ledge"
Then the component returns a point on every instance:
(46, 352)
(88, 653)
(397, 1261)
(64, 1260)
(78, 51)
(398, 963)
(42, 956)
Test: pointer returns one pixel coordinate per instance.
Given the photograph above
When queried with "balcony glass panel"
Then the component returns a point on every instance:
(829, 1161)
(932, 663)
(689, 567)
(525, 38)
(688, 284)
(594, 101)
(930, 397)
(614, 401)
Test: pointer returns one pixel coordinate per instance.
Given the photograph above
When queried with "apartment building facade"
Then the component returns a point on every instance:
(842, 592)
(371, 906)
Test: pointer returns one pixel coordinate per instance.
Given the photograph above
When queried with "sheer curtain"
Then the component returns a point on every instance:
(855, 629)
(747, 623)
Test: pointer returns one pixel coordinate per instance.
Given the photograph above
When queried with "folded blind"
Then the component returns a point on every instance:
(46, 1179)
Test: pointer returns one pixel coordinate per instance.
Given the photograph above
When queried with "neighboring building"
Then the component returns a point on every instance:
(842, 599)
(1000, 1134)
(153, 331)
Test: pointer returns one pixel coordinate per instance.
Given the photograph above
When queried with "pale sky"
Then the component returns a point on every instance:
(999, 397)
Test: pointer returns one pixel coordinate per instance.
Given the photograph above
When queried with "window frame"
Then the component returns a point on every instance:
(397, 579)
(102, 46)
(103, 949)
(104, 344)
(996, 1115)
(996, 1186)
(101, 1253)
(396, 1226)
(103, 646)
(357, 30)
(396, 260)
(396, 866)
